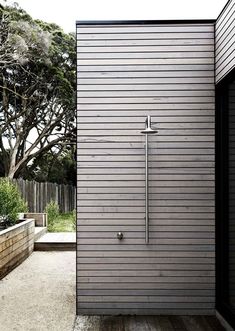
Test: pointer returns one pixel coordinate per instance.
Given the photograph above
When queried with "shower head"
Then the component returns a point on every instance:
(148, 128)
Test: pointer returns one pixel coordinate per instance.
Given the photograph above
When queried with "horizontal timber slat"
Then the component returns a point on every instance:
(16, 244)
(224, 42)
(172, 28)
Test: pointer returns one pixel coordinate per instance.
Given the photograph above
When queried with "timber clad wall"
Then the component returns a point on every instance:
(126, 72)
(225, 42)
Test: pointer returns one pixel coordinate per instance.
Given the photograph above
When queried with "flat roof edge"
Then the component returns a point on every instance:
(129, 22)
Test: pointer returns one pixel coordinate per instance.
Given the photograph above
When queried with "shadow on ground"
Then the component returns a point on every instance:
(147, 323)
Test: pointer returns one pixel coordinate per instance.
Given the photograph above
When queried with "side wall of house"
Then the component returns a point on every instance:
(225, 42)
(224, 66)
(126, 72)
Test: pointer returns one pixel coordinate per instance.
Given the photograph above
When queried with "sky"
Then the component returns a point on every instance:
(65, 13)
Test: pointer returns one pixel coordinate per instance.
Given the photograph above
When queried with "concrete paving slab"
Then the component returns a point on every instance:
(40, 294)
(58, 237)
(39, 232)
(56, 241)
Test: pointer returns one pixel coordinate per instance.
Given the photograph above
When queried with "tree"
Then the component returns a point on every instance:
(19, 36)
(54, 166)
(37, 93)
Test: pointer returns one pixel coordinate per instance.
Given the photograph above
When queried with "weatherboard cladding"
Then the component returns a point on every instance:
(225, 41)
(126, 72)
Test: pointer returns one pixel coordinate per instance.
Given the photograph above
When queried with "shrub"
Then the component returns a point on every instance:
(52, 210)
(74, 220)
(11, 202)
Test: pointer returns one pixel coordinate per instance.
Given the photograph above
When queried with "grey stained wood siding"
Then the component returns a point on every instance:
(225, 41)
(126, 72)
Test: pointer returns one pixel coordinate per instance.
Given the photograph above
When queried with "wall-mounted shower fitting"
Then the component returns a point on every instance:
(148, 130)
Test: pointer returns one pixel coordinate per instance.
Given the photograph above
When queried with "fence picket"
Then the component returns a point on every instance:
(38, 195)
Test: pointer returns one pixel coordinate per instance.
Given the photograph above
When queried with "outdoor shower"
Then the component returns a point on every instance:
(148, 130)
(146, 216)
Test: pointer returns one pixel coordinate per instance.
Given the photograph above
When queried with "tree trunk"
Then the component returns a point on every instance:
(14, 167)
(11, 171)
(12, 162)
(11, 174)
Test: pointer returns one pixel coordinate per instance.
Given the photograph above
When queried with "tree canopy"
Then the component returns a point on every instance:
(37, 89)
(53, 167)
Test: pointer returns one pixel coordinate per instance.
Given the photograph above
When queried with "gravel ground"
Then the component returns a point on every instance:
(40, 294)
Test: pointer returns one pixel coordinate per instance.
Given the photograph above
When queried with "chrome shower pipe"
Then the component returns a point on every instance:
(148, 130)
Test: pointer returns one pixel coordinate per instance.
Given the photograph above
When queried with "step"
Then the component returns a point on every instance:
(56, 241)
(39, 232)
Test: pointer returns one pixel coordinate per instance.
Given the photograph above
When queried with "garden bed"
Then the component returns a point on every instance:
(16, 244)
(65, 222)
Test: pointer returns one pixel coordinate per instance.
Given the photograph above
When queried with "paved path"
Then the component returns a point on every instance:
(39, 295)
(56, 241)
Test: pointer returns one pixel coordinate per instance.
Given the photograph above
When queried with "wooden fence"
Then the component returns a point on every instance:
(39, 194)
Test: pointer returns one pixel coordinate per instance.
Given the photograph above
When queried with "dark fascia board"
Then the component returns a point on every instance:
(145, 22)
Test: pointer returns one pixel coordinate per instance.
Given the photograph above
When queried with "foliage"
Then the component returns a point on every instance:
(2, 170)
(54, 167)
(64, 223)
(19, 37)
(11, 202)
(37, 89)
(74, 219)
(52, 210)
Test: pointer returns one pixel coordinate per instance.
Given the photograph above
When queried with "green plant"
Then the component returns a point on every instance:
(52, 210)
(74, 220)
(11, 202)
(63, 223)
